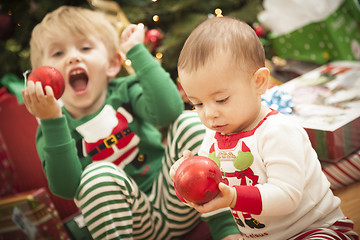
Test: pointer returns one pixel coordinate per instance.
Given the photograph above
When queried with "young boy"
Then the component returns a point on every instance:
(101, 146)
(272, 179)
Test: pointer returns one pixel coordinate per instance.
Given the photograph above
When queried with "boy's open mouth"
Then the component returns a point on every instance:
(78, 80)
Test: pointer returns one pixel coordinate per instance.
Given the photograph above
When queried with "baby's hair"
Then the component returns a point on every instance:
(221, 35)
(76, 21)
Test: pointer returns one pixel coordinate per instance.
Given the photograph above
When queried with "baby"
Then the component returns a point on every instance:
(272, 178)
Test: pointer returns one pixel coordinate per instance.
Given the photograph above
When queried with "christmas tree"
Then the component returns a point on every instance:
(168, 22)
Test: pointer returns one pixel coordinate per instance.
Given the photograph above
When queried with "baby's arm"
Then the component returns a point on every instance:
(39, 104)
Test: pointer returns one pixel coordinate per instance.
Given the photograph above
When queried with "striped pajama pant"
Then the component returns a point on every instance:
(340, 230)
(114, 208)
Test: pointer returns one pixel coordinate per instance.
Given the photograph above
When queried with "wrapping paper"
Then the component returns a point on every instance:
(8, 178)
(336, 37)
(20, 159)
(327, 104)
(344, 172)
(30, 215)
(283, 17)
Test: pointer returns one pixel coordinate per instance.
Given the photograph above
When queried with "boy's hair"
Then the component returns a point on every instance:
(77, 21)
(221, 35)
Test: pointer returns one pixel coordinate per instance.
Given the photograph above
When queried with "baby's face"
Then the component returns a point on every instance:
(84, 63)
(224, 97)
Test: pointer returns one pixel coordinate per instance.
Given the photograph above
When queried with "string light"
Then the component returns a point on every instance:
(156, 18)
(218, 12)
(141, 25)
(154, 0)
(127, 62)
(159, 55)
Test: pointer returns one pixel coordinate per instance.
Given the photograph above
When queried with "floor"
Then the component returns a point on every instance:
(350, 202)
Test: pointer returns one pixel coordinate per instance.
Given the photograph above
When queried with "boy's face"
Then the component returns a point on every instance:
(225, 98)
(84, 64)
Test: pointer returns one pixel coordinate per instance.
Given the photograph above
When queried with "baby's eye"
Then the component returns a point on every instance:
(85, 48)
(58, 54)
(222, 100)
(197, 105)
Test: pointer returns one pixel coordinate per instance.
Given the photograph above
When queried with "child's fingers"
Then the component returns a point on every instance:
(127, 32)
(172, 172)
(30, 92)
(39, 92)
(224, 188)
(26, 97)
(205, 208)
(176, 165)
(49, 91)
(187, 154)
(228, 193)
(226, 198)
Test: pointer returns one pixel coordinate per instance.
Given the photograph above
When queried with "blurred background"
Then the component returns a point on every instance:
(302, 42)
(169, 23)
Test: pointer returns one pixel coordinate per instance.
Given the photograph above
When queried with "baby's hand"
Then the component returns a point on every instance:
(131, 36)
(225, 198)
(176, 165)
(39, 104)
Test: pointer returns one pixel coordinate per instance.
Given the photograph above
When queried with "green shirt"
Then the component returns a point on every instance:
(153, 100)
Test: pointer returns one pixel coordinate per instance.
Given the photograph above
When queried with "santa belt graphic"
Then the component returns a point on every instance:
(109, 141)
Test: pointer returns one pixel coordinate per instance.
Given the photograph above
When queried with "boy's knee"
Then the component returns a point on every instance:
(102, 178)
(187, 114)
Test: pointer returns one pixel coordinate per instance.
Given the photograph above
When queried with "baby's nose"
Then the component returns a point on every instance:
(211, 112)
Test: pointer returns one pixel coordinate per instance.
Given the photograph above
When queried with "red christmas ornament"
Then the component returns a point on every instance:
(197, 180)
(153, 37)
(48, 76)
(259, 30)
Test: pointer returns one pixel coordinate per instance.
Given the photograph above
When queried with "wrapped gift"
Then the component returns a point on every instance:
(20, 160)
(8, 178)
(336, 37)
(343, 172)
(327, 104)
(30, 215)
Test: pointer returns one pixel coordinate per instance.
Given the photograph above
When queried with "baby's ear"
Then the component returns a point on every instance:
(261, 80)
(114, 66)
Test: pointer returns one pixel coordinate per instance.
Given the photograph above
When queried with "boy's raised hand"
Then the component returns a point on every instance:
(131, 36)
(41, 105)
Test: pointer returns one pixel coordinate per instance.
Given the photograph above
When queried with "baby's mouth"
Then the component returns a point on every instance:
(78, 80)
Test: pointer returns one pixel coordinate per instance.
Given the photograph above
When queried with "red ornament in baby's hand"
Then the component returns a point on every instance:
(48, 76)
(197, 179)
